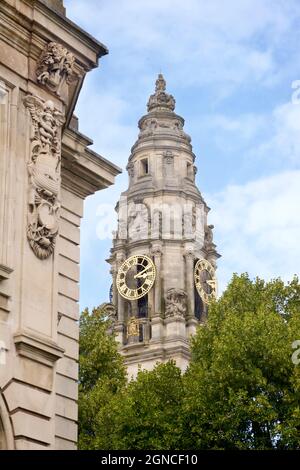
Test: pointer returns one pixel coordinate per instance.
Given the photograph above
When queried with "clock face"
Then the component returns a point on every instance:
(205, 280)
(136, 277)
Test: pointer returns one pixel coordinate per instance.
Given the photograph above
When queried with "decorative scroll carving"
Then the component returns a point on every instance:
(44, 176)
(176, 303)
(55, 67)
(161, 99)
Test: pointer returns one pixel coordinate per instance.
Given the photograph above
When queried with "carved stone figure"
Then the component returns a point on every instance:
(208, 240)
(44, 176)
(176, 303)
(56, 65)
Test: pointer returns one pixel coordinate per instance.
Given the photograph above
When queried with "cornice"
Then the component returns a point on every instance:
(186, 194)
(152, 142)
(84, 171)
(146, 244)
(27, 17)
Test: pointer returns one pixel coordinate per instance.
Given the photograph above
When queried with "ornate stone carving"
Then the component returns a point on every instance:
(44, 176)
(55, 67)
(168, 157)
(110, 310)
(130, 169)
(161, 99)
(156, 249)
(208, 238)
(176, 303)
(133, 327)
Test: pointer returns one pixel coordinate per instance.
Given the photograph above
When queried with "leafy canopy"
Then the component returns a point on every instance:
(241, 390)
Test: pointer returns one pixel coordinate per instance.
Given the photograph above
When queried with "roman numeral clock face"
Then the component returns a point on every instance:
(136, 277)
(205, 280)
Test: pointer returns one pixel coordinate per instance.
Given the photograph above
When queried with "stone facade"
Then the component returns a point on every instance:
(46, 172)
(161, 215)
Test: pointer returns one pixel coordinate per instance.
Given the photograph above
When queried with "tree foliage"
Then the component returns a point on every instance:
(243, 385)
(241, 391)
(101, 373)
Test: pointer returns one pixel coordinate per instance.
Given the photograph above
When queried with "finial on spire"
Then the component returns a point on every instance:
(161, 99)
(160, 84)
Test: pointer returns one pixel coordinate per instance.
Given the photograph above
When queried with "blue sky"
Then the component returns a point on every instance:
(230, 66)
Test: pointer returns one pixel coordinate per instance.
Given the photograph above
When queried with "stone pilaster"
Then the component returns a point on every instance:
(189, 268)
(157, 254)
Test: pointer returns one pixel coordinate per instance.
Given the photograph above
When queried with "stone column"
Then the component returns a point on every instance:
(189, 267)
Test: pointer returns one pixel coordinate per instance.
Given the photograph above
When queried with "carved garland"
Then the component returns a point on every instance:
(55, 66)
(44, 176)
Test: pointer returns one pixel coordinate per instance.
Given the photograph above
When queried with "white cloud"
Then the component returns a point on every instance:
(198, 41)
(284, 142)
(208, 50)
(257, 227)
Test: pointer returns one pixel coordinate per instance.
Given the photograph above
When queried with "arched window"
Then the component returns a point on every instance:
(200, 309)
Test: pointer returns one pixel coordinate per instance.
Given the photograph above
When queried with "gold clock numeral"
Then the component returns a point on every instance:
(139, 270)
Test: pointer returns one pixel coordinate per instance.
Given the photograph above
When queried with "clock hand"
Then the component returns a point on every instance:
(212, 283)
(141, 274)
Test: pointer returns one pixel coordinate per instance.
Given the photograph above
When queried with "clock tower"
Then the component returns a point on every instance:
(163, 257)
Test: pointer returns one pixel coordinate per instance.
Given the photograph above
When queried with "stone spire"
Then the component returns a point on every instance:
(160, 99)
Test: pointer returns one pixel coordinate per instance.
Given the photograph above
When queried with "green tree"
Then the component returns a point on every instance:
(147, 414)
(101, 373)
(242, 388)
(241, 391)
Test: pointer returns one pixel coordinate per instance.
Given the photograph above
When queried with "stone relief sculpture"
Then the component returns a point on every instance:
(56, 65)
(176, 303)
(44, 176)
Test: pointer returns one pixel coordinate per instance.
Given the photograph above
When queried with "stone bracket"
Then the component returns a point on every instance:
(38, 349)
